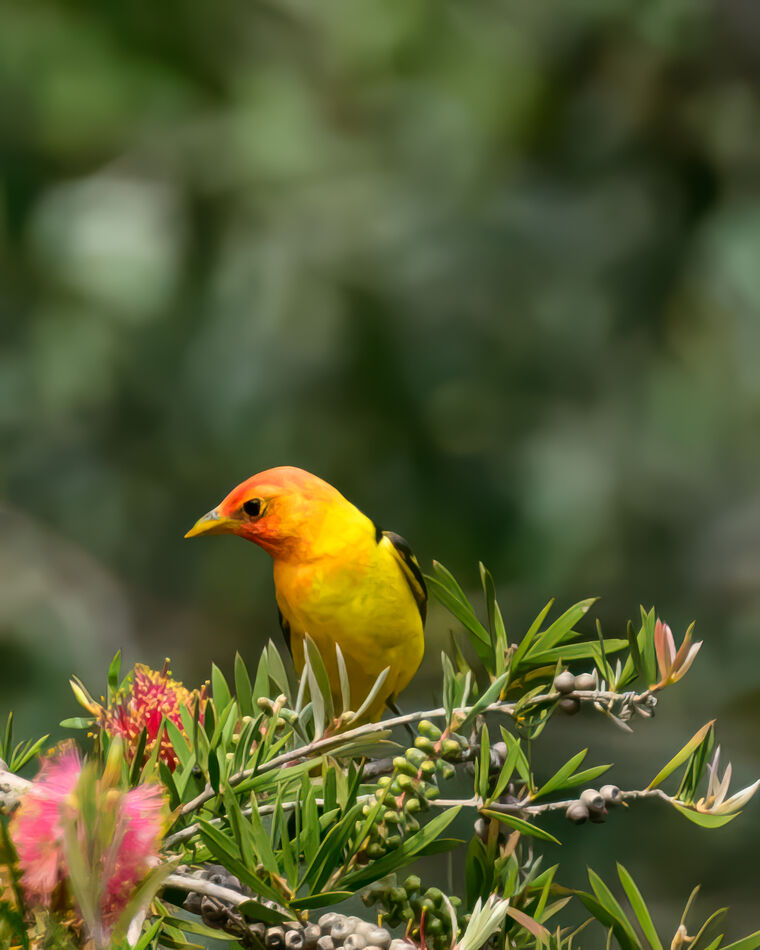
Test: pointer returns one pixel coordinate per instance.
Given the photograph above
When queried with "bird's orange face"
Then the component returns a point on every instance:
(275, 509)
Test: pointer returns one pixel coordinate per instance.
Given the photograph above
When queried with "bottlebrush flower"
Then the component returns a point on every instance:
(36, 829)
(74, 824)
(149, 696)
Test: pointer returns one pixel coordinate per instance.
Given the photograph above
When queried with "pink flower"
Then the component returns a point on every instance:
(116, 848)
(36, 828)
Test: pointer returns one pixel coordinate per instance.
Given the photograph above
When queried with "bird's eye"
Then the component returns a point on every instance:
(252, 507)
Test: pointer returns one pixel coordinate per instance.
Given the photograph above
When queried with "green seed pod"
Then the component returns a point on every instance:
(564, 682)
(375, 850)
(450, 748)
(427, 905)
(402, 764)
(577, 812)
(428, 729)
(432, 792)
(384, 781)
(424, 745)
(415, 757)
(434, 926)
(412, 884)
(435, 895)
(366, 810)
(455, 901)
(397, 895)
(393, 841)
(445, 769)
(428, 768)
(404, 782)
(266, 705)
(395, 787)
(407, 913)
(585, 681)
(411, 805)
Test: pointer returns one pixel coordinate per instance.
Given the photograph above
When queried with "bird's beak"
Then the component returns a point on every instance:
(212, 523)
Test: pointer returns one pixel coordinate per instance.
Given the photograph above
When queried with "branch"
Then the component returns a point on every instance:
(600, 698)
(524, 807)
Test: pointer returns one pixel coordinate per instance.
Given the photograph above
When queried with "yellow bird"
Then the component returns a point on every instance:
(337, 576)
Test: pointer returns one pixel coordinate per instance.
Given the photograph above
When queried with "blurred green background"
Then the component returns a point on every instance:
(490, 267)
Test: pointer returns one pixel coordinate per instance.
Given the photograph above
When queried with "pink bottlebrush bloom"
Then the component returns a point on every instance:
(151, 695)
(142, 820)
(36, 829)
(121, 847)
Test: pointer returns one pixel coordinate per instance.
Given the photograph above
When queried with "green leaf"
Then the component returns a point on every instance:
(113, 676)
(404, 854)
(519, 824)
(705, 820)
(606, 898)
(77, 722)
(560, 778)
(325, 899)
(499, 642)
(264, 913)
(603, 915)
(489, 696)
(219, 688)
(277, 671)
(562, 628)
(577, 651)
(484, 764)
(224, 849)
(243, 689)
(746, 943)
(680, 757)
(639, 907)
(447, 591)
(345, 683)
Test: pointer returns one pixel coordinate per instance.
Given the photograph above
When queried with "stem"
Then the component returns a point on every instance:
(326, 743)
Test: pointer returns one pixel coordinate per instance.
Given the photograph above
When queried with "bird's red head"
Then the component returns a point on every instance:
(279, 509)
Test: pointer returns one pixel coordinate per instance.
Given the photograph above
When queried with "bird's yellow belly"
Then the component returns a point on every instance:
(370, 613)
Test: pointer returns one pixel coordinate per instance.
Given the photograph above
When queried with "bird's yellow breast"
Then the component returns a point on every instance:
(355, 594)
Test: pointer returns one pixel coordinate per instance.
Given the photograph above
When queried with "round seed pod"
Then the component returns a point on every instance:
(445, 769)
(585, 681)
(425, 745)
(434, 926)
(258, 930)
(342, 928)
(498, 754)
(450, 748)
(275, 938)
(404, 782)
(435, 895)
(393, 841)
(412, 884)
(325, 943)
(569, 706)
(377, 937)
(192, 903)
(375, 850)
(412, 805)
(564, 682)
(577, 813)
(372, 946)
(402, 764)
(326, 921)
(355, 941)
(611, 794)
(398, 944)
(426, 728)
(592, 800)
(294, 940)
(211, 912)
(311, 933)
(415, 757)
(428, 767)
(384, 781)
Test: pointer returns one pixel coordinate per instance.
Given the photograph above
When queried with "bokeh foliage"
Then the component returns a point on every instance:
(489, 267)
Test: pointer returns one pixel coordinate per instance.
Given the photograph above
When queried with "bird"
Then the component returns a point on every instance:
(339, 578)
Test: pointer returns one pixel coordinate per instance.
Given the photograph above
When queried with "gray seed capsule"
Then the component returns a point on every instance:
(354, 941)
(569, 706)
(577, 813)
(585, 681)
(398, 944)
(311, 933)
(378, 937)
(592, 800)
(341, 929)
(564, 682)
(325, 943)
(326, 921)
(275, 938)
(294, 940)
(611, 794)
(258, 929)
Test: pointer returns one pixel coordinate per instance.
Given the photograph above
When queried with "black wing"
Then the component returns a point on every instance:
(409, 565)
(285, 627)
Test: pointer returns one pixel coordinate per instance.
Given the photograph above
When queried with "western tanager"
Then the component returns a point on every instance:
(338, 577)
